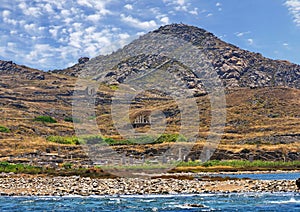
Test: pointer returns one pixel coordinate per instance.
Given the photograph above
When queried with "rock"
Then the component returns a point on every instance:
(83, 60)
(195, 205)
(298, 183)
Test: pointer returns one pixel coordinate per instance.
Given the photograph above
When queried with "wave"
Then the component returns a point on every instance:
(291, 201)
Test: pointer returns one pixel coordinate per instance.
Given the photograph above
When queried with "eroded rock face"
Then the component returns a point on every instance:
(236, 67)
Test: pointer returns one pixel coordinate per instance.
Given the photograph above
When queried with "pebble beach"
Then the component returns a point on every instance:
(28, 185)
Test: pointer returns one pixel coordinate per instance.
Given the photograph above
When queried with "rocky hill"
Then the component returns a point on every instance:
(236, 67)
(262, 97)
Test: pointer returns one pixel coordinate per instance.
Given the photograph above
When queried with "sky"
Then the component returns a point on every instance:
(53, 34)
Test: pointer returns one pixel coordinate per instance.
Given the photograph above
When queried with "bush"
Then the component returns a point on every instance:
(63, 140)
(4, 129)
(47, 119)
(171, 138)
(19, 168)
(72, 119)
(67, 165)
(114, 87)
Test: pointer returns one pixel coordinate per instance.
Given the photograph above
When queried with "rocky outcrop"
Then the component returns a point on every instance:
(10, 68)
(236, 67)
(74, 70)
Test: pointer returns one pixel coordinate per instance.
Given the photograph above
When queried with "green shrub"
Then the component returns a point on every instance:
(63, 140)
(67, 165)
(171, 138)
(19, 168)
(47, 119)
(72, 119)
(4, 129)
(114, 87)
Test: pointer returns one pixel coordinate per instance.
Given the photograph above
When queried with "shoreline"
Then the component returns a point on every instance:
(29, 185)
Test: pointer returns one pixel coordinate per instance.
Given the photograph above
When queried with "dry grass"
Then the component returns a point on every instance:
(252, 114)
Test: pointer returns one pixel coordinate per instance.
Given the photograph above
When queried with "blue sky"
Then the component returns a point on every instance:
(52, 34)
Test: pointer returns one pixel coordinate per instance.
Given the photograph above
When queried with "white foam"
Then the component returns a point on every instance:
(291, 201)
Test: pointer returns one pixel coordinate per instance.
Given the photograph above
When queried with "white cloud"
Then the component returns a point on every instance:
(294, 9)
(128, 7)
(6, 13)
(209, 15)
(30, 11)
(48, 8)
(165, 20)
(54, 31)
(33, 11)
(10, 21)
(94, 17)
(100, 6)
(194, 11)
(241, 34)
(285, 44)
(250, 41)
(146, 25)
(86, 3)
(30, 27)
(181, 2)
(40, 31)
(219, 6)
(179, 5)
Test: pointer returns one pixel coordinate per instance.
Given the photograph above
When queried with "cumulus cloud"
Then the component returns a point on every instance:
(50, 34)
(6, 13)
(179, 5)
(181, 2)
(294, 9)
(165, 20)
(194, 11)
(128, 7)
(146, 25)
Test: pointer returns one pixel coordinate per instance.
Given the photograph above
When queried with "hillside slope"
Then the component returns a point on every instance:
(262, 98)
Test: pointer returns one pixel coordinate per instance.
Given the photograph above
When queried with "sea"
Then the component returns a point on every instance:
(201, 202)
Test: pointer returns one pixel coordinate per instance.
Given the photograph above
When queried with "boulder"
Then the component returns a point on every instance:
(298, 183)
(83, 60)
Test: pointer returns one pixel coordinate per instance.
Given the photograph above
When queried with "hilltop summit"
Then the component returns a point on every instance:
(235, 67)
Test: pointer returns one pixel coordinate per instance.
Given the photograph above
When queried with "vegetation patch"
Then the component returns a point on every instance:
(100, 140)
(240, 163)
(4, 129)
(67, 171)
(113, 87)
(46, 119)
(63, 140)
(72, 119)
(96, 139)
(19, 168)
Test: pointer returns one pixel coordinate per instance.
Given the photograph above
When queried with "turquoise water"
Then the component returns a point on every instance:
(210, 202)
(266, 176)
